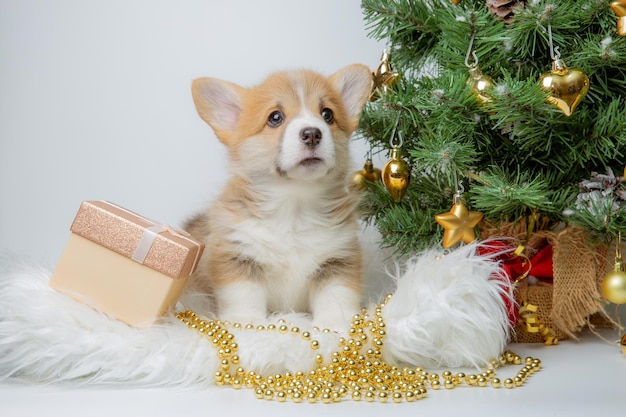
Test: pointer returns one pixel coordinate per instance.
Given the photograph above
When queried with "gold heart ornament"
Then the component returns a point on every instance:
(567, 86)
(619, 8)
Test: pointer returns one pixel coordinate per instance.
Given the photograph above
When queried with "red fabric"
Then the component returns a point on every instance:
(513, 267)
(541, 264)
(541, 267)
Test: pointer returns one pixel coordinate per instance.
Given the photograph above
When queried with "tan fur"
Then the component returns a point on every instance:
(274, 229)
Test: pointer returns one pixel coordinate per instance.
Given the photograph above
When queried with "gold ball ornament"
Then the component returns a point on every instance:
(368, 174)
(619, 8)
(567, 86)
(384, 77)
(459, 224)
(614, 287)
(396, 175)
(614, 283)
(481, 84)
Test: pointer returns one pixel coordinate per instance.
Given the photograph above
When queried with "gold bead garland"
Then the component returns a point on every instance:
(355, 371)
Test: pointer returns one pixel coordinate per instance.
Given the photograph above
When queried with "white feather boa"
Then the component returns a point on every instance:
(446, 311)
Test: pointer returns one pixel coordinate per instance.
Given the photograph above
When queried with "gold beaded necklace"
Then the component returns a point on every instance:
(355, 370)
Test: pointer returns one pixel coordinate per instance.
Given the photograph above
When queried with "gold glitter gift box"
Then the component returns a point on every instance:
(123, 264)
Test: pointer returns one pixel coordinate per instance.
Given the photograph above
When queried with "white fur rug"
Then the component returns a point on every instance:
(447, 311)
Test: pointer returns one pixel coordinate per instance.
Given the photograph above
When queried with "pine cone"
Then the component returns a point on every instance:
(504, 9)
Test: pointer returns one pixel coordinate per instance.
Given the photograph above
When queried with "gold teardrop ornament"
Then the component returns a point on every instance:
(567, 86)
(480, 83)
(396, 175)
(369, 173)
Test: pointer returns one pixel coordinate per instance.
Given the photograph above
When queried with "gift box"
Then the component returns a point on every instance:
(123, 264)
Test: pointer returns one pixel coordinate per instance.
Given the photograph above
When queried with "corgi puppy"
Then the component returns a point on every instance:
(283, 235)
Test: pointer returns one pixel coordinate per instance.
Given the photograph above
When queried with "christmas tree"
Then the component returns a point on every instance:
(515, 110)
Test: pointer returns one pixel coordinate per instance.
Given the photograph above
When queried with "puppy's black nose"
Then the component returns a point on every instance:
(311, 136)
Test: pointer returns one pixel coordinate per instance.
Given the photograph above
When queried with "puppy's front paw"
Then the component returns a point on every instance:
(334, 306)
(241, 302)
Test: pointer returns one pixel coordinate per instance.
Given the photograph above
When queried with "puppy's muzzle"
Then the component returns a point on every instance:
(311, 136)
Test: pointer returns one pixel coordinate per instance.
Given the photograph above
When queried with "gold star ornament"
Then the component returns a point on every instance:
(384, 77)
(459, 224)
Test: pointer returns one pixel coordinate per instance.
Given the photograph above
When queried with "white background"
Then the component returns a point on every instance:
(95, 103)
(95, 100)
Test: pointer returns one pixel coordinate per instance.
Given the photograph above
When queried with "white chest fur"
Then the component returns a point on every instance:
(293, 238)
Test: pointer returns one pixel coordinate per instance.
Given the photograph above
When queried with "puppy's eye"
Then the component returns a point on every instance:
(327, 115)
(275, 119)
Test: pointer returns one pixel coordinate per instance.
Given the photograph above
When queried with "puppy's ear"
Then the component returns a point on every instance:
(354, 84)
(219, 104)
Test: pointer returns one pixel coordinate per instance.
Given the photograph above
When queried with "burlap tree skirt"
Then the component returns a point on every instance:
(573, 300)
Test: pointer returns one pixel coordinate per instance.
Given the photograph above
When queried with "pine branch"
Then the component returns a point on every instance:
(524, 155)
(505, 196)
(406, 226)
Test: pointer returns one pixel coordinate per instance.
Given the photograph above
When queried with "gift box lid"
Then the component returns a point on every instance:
(157, 246)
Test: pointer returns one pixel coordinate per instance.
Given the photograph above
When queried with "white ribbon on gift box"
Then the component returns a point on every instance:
(148, 237)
